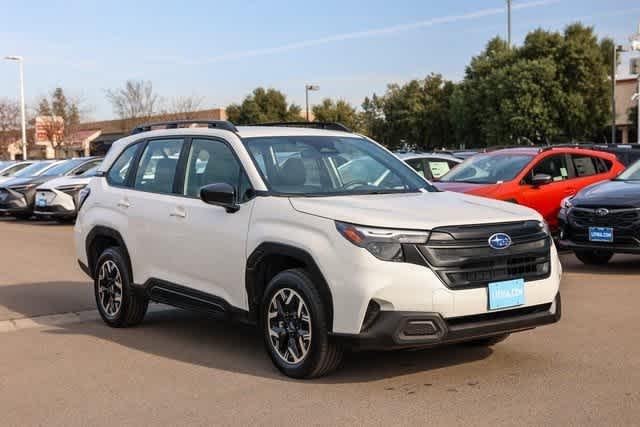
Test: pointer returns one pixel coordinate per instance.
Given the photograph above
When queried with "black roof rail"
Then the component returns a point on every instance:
(314, 125)
(175, 124)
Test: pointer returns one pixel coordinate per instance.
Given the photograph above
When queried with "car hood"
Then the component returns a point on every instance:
(64, 181)
(467, 187)
(413, 210)
(27, 180)
(609, 193)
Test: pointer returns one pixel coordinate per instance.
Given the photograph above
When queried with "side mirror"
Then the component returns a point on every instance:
(541, 179)
(220, 194)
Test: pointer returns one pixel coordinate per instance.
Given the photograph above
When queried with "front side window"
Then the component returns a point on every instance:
(488, 168)
(118, 173)
(439, 168)
(211, 162)
(328, 165)
(554, 166)
(157, 168)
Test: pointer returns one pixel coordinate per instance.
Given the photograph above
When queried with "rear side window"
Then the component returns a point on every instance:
(584, 165)
(602, 165)
(120, 169)
(554, 166)
(158, 164)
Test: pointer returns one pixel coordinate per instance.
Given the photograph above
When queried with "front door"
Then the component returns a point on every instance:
(546, 198)
(212, 249)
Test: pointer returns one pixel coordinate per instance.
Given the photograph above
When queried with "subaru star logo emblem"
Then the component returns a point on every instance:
(500, 241)
(602, 212)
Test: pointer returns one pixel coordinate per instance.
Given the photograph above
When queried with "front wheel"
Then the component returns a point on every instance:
(295, 327)
(594, 257)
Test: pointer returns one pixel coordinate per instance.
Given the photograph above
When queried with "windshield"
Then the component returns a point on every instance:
(33, 170)
(328, 165)
(91, 172)
(632, 173)
(64, 167)
(488, 169)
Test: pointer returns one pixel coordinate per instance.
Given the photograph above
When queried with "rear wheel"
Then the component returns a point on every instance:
(594, 257)
(118, 304)
(295, 327)
(488, 341)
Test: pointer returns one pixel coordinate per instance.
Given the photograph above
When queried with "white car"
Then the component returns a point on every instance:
(431, 166)
(57, 199)
(9, 170)
(258, 224)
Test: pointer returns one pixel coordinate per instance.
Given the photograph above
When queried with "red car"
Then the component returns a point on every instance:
(539, 178)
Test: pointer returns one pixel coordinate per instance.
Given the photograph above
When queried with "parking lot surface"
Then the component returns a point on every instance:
(178, 368)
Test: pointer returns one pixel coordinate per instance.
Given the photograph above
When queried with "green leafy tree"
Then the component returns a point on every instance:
(551, 89)
(263, 106)
(415, 114)
(339, 112)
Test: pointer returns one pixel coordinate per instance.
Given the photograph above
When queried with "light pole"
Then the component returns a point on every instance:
(509, 23)
(614, 65)
(20, 61)
(307, 89)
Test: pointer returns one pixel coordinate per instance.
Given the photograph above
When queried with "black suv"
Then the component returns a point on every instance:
(603, 219)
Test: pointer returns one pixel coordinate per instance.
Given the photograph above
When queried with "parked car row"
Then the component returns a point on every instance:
(587, 197)
(47, 189)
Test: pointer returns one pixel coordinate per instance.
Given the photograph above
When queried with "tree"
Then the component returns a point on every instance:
(263, 106)
(414, 114)
(553, 88)
(134, 103)
(372, 121)
(182, 107)
(9, 120)
(60, 116)
(338, 112)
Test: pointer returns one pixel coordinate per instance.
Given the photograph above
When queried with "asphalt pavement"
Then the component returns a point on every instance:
(60, 365)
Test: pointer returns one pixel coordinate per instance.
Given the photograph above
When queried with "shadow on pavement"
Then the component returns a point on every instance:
(39, 299)
(192, 338)
(619, 264)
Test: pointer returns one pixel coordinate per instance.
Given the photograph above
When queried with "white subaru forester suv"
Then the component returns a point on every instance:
(320, 236)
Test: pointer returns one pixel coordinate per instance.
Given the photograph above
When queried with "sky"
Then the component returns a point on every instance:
(222, 50)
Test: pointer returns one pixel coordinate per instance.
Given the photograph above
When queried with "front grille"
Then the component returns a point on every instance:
(47, 195)
(467, 261)
(624, 220)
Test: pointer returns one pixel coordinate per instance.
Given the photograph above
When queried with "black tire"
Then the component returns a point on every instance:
(132, 307)
(594, 257)
(22, 216)
(322, 354)
(488, 341)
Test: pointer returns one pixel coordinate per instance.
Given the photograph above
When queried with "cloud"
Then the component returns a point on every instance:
(367, 33)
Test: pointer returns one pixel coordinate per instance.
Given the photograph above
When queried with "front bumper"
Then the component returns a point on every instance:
(389, 330)
(54, 211)
(603, 247)
(14, 202)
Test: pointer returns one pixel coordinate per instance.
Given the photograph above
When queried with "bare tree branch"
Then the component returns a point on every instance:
(135, 102)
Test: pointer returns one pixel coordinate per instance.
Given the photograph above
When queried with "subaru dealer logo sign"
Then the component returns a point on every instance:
(500, 241)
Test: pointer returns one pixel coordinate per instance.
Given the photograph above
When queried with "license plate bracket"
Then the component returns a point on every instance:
(601, 234)
(508, 293)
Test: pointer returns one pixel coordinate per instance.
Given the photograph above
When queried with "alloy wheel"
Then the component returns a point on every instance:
(289, 324)
(110, 289)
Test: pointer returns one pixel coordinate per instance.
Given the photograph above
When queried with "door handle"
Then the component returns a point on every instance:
(178, 213)
(124, 204)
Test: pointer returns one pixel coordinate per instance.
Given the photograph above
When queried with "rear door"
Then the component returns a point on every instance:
(589, 169)
(151, 205)
(546, 198)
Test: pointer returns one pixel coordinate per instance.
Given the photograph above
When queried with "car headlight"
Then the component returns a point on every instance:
(384, 244)
(545, 227)
(566, 203)
(71, 189)
(22, 188)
